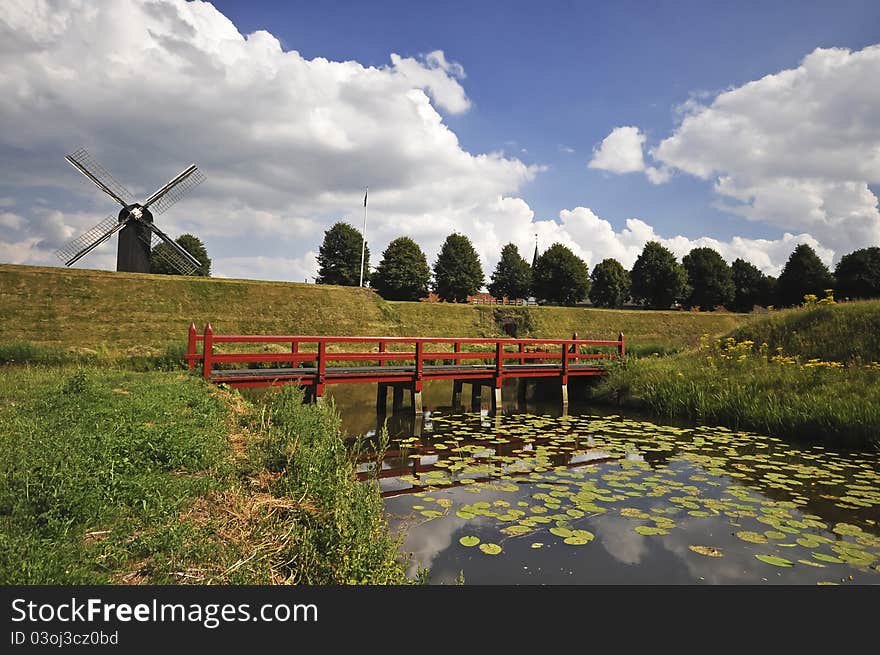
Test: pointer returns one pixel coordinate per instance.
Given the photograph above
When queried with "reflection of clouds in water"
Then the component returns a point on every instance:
(736, 567)
(617, 536)
(426, 539)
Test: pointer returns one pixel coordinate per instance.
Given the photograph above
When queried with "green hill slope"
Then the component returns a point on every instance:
(127, 312)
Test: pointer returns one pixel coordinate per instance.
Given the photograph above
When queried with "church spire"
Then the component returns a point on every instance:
(535, 256)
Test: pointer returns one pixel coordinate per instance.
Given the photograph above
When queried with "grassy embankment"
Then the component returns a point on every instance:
(116, 476)
(808, 374)
(140, 321)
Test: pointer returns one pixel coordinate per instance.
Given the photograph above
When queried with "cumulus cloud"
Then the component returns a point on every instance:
(622, 151)
(796, 149)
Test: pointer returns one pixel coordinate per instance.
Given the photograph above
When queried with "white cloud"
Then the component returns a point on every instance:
(622, 152)
(796, 149)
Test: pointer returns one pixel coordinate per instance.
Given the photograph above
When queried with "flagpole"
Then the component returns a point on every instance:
(364, 236)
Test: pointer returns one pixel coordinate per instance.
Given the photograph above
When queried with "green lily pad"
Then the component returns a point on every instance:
(822, 557)
(752, 537)
(774, 560)
(648, 530)
(561, 532)
(490, 549)
(469, 541)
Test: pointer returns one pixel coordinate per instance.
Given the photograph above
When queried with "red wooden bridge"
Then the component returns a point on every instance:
(400, 363)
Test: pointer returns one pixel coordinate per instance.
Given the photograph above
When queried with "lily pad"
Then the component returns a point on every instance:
(752, 537)
(774, 560)
(708, 551)
(469, 541)
(490, 549)
(648, 530)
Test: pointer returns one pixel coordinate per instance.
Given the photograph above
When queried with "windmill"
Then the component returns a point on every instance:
(137, 233)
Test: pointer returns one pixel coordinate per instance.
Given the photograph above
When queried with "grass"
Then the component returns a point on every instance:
(781, 386)
(840, 332)
(105, 316)
(113, 476)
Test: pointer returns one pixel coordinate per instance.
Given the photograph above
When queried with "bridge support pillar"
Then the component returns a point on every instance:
(497, 404)
(456, 393)
(381, 398)
(397, 397)
(565, 395)
(417, 402)
(476, 396)
(522, 389)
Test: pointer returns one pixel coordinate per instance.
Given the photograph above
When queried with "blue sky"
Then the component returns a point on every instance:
(748, 126)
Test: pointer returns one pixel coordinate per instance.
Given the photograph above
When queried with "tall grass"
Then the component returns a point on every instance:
(840, 332)
(783, 396)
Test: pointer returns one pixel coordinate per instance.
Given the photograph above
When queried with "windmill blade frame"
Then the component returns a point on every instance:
(76, 248)
(174, 189)
(82, 161)
(176, 256)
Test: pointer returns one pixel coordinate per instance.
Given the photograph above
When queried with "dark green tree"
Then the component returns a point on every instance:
(339, 258)
(610, 287)
(560, 276)
(513, 275)
(457, 271)
(657, 278)
(403, 273)
(751, 287)
(710, 279)
(804, 273)
(189, 242)
(858, 274)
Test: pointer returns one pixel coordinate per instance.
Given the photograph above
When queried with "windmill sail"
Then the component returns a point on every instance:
(82, 161)
(174, 190)
(89, 240)
(172, 253)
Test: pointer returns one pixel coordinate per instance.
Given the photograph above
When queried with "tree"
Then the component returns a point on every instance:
(513, 275)
(657, 278)
(457, 271)
(403, 273)
(339, 258)
(610, 287)
(192, 244)
(804, 273)
(858, 274)
(751, 287)
(560, 276)
(710, 279)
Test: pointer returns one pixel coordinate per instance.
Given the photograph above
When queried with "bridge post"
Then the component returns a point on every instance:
(208, 348)
(381, 397)
(621, 347)
(522, 349)
(191, 347)
(565, 376)
(476, 395)
(417, 383)
(456, 393)
(294, 349)
(381, 351)
(396, 397)
(322, 372)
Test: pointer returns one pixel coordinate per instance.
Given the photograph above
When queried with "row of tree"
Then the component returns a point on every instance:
(657, 280)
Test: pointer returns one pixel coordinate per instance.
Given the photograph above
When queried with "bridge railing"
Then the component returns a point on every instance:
(318, 352)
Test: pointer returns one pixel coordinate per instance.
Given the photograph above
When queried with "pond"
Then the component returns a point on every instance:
(536, 497)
